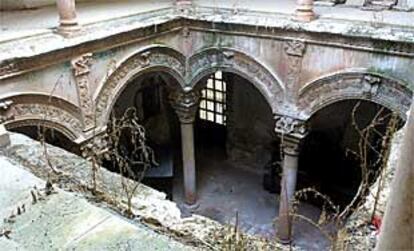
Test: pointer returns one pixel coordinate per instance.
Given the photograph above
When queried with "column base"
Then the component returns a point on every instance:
(301, 16)
(68, 30)
(285, 241)
(192, 207)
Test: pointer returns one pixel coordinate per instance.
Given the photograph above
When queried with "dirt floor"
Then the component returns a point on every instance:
(225, 190)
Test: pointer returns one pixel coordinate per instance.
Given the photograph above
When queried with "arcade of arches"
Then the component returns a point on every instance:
(223, 155)
(239, 117)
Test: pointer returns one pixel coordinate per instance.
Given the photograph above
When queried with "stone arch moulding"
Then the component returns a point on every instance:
(22, 122)
(377, 88)
(149, 59)
(209, 60)
(52, 112)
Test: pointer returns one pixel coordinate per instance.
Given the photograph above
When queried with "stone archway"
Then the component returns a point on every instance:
(376, 88)
(208, 61)
(152, 59)
(337, 108)
(51, 112)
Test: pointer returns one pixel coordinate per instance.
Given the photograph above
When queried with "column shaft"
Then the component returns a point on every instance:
(185, 105)
(292, 132)
(187, 139)
(67, 16)
(290, 169)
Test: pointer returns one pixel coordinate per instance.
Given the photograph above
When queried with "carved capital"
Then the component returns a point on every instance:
(289, 126)
(185, 105)
(292, 132)
(6, 112)
(295, 48)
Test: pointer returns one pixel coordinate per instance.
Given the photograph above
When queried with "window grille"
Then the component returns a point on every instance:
(213, 100)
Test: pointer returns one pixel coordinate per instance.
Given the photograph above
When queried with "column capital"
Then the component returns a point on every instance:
(290, 126)
(185, 104)
(293, 131)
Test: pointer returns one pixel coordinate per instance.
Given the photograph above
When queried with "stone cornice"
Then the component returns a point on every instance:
(99, 36)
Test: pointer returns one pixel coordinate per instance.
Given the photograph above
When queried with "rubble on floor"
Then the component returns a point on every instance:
(39, 217)
(150, 207)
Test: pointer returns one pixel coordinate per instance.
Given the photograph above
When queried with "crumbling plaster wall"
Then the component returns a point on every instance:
(320, 61)
(56, 80)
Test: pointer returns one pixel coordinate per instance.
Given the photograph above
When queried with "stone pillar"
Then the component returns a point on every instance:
(304, 11)
(186, 105)
(397, 230)
(6, 114)
(292, 132)
(68, 24)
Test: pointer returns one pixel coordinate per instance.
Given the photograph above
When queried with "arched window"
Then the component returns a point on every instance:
(213, 100)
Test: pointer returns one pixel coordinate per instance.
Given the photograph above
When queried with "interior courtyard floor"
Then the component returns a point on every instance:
(225, 190)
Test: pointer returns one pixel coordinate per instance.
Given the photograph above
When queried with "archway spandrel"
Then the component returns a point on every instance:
(206, 62)
(354, 85)
(161, 59)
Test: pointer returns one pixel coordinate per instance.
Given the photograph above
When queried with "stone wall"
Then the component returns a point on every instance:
(250, 125)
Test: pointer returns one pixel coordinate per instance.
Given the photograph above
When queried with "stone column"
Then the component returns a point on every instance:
(68, 23)
(186, 105)
(304, 11)
(397, 230)
(292, 132)
(6, 114)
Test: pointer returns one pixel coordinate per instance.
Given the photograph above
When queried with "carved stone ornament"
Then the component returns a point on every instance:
(286, 125)
(151, 58)
(6, 113)
(295, 48)
(292, 131)
(354, 85)
(48, 113)
(185, 105)
(210, 60)
(81, 68)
